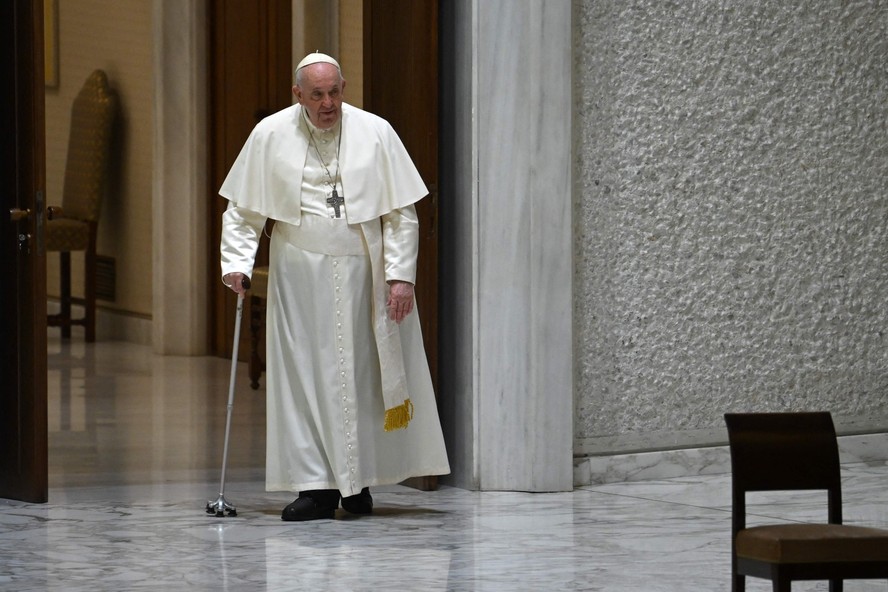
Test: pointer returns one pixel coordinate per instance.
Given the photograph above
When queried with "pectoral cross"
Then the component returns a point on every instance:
(336, 200)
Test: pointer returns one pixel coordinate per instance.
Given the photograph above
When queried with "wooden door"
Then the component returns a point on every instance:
(23, 425)
(250, 77)
(401, 86)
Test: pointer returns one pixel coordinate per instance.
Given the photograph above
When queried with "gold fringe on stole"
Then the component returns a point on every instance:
(398, 417)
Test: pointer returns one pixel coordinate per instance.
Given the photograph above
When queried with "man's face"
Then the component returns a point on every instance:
(320, 92)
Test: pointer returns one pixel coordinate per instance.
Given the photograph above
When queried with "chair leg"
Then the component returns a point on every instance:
(255, 327)
(781, 583)
(89, 282)
(836, 585)
(65, 292)
(738, 583)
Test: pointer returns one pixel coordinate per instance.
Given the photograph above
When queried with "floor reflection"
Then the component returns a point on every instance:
(135, 447)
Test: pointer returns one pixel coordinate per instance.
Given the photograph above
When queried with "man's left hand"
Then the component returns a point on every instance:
(400, 301)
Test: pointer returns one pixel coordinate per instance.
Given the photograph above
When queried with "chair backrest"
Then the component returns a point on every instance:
(784, 451)
(89, 148)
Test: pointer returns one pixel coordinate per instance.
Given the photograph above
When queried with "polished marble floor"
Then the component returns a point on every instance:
(135, 453)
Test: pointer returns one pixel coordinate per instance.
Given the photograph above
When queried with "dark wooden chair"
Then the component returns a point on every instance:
(74, 225)
(795, 451)
(258, 294)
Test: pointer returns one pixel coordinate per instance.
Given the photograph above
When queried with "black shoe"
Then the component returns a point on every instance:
(317, 504)
(360, 503)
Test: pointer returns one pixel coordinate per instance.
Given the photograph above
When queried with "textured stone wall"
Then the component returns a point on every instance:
(731, 215)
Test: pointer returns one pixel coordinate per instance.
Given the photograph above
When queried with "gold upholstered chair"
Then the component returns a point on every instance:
(258, 295)
(795, 451)
(73, 226)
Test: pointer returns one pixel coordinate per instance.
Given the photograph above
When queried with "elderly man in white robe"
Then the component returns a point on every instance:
(350, 399)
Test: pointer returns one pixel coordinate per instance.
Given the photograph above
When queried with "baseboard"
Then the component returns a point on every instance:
(691, 462)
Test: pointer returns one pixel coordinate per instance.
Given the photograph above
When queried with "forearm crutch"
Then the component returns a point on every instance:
(221, 507)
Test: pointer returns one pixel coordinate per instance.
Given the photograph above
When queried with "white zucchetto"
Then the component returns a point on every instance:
(317, 58)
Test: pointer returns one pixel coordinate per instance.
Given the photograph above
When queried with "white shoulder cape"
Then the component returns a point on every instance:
(377, 174)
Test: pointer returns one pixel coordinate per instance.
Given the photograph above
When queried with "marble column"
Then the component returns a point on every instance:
(179, 319)
(506, 272)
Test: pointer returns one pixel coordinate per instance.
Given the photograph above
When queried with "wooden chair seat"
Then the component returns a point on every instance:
(812, 543)
(66, 234)
(259, 283)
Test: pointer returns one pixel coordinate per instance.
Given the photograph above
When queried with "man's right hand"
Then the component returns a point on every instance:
(235, 281)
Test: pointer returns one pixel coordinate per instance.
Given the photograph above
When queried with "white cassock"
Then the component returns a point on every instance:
(337, 367)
